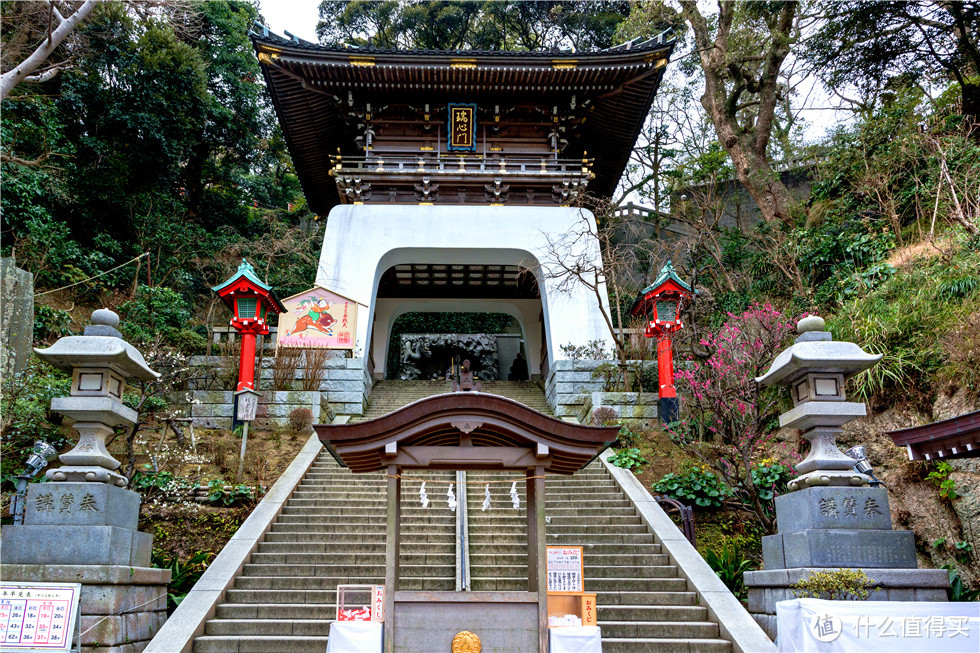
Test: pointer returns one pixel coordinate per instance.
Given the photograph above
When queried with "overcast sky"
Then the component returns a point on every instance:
(297, 16)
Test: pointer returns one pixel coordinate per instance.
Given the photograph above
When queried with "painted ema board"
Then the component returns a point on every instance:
(317, 319)
(566, 570)
(38, 616)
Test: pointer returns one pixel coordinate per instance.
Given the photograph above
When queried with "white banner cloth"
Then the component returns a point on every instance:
(355, 637)
(818, 626)
(576, 639)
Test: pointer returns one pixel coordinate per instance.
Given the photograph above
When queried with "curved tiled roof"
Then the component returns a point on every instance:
(309, 85)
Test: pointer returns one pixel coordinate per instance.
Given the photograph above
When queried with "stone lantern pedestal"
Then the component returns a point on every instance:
(831, 519)
(82, 526)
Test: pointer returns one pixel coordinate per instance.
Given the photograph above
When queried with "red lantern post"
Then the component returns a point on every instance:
(663, 301)
(250, 301)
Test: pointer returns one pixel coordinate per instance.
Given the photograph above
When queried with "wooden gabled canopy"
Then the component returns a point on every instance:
(466, 431)
(956, 437)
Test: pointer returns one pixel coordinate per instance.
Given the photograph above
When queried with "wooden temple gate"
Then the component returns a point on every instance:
(467, 431)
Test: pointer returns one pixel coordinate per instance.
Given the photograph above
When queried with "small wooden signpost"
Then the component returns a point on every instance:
(37, 617)
(248, 404)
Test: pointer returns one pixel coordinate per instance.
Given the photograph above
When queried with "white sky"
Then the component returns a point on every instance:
(297, 16)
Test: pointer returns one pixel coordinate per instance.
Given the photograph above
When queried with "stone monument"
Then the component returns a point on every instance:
(16, 316)
(831, 519)
(82, 526)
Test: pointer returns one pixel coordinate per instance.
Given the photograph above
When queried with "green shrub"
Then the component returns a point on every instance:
(696, 486)
(839, 585)
(25, 407)
(50, 323)
(730, 565)
(629, 458)
(771, 479)
(958, 591)
(235, 495)
(940, 478)
(154, 311)
(183, 575)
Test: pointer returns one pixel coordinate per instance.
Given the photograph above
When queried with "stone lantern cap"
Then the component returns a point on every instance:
(815, 351)
(101, 347)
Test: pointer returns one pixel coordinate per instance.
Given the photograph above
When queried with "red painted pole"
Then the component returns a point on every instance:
(246, 365)
(665, 367)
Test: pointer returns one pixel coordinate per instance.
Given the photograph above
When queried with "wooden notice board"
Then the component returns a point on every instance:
(566, 569)
(38, 617)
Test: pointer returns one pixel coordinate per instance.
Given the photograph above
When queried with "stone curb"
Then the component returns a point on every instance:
(187, 622)
(734, 621)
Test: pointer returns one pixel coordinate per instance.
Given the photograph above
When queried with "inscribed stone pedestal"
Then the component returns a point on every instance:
(89, 504)
(863, 508)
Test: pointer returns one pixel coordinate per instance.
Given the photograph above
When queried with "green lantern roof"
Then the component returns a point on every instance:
(244, 270)
(667, 272)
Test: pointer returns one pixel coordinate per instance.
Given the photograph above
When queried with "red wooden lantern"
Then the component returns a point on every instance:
(250, 301)
(663, 301)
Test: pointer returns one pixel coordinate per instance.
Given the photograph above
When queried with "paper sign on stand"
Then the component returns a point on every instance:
(37, 617)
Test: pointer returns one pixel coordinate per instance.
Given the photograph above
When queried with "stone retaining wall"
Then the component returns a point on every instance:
(344, 390)
(572, 391)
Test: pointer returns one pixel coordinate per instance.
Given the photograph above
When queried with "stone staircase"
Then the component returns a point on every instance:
(387, 396)
(643, 602)
(331, 532)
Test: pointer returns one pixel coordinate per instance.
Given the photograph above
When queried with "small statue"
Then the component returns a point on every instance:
(466, 381)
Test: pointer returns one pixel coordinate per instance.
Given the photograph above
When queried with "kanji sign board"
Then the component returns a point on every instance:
(566, 569)
(38, 617)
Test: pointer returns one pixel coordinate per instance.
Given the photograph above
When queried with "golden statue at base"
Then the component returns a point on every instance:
(466, 642)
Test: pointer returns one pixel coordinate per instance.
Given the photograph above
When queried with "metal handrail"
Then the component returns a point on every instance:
(687, 516)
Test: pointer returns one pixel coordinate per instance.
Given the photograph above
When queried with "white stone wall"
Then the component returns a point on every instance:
(362, 241)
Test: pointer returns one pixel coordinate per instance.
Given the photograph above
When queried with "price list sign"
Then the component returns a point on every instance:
(38, 616)
(566, 570)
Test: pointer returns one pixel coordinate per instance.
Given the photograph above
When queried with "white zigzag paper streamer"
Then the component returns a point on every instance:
(451, 496)
(423, 496)
(513, 495)
(486, 501)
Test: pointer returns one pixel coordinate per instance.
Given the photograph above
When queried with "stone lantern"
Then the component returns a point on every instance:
(82, 527)
(831, 519)
(663, 301)
(100, 363)
(814, 369)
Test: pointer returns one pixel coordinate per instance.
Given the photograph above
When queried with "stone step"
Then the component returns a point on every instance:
(598, 573)
(325, 611)
(330, 583)
(592, 561)
(647, 613)
(667, 629)
(349, 557)
(664, 645)
(258, 644)
(266, 627)
(347, 545)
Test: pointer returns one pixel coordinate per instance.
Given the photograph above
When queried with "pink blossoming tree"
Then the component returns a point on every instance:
(729, 417)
